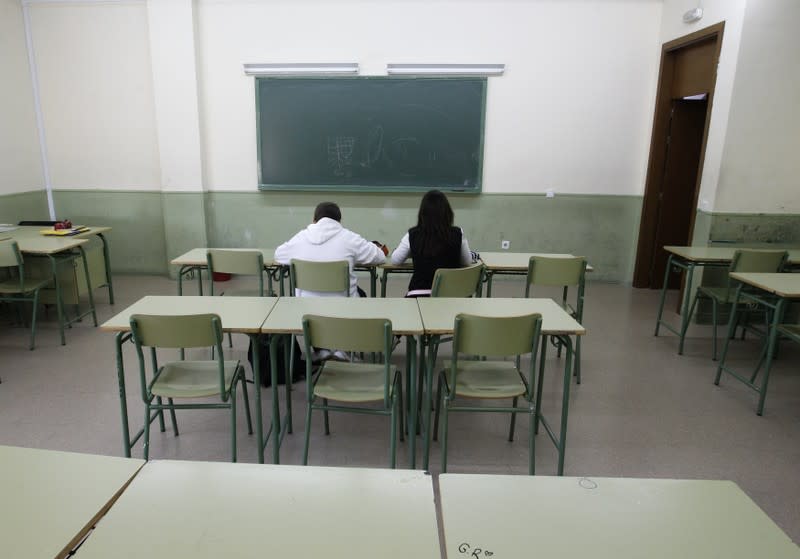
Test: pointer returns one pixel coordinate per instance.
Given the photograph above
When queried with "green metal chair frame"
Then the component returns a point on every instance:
(564, 272)
(17, 288)
(324, 277)
(186, 379)
(457, 282)
(744, 260)
(491, 379)
(353, 383)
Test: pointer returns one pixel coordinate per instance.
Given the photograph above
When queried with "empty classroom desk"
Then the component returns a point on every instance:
(243, 315)
(51, 499)
(773, 292)
(438, 318)
(513, 264)
(614, 518)
(251, 511)
(287, 318)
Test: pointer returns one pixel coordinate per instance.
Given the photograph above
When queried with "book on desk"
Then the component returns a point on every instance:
(64, 232)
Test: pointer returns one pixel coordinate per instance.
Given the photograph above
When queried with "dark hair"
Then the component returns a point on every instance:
(327, 209)
(434, 220)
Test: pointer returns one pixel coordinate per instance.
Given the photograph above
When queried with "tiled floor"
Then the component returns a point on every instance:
(642, 410)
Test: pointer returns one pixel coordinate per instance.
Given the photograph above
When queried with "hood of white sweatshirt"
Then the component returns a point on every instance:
(321, 231)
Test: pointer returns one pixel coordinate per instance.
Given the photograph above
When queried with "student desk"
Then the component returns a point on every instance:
(196, 260)
(251, 511)
(287, 318)
(438, 317)
(772, 291)
(604, 518)
(687, 259)
(50, 499)
(242, 315)
(513, 264)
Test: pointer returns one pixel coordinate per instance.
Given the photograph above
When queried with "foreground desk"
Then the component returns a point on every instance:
(513, 264)
(251, 511)
(51, 499)
(773, 292)
(438, 317)
(287, 318)
(243, 315)
(689, 258)
(577, 518)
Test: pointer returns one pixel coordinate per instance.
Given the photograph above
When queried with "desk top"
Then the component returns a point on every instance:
(517, 261)
(439, 313)
(31, 241)
(238, 314)
(525, 516)
(287, 316)
(212, 510)
(721, 255)
(197, 256)
(784, 285)
(51, 499)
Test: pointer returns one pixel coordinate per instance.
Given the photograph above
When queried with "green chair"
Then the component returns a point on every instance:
(239, 262)
(744, 260)
(186, 379)
(564, 272)
(15, 287)
(322, 277)
(457, 282)
(490, 379)
(353, 383)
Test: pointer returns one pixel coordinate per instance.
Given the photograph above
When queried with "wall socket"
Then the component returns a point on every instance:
(505, 245)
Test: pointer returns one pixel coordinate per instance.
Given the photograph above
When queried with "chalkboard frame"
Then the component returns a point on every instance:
(476, 189)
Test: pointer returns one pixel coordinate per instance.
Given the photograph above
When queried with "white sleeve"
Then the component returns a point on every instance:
(366, 252)
(401, 253)
(283, 254)
(466, 254)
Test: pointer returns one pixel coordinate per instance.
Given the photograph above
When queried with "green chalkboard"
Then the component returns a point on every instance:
(370, 134)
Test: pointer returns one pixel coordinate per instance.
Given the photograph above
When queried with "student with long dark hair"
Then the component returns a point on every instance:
(433, 243)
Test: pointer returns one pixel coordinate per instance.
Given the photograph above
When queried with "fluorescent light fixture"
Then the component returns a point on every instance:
(300, 68)
(447, 69)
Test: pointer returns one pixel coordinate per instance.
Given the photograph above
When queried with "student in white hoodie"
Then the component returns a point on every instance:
(326, 240)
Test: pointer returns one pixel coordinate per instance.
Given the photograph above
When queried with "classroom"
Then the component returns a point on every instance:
(144, 120)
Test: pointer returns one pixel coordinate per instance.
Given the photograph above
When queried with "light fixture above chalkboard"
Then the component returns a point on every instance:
(301, 68)
(447, 69)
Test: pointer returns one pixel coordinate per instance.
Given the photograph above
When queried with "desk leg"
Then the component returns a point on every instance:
(729, 335)
(687, 296)
(88, 284)
(663, 294)
(275, 428)
(430, 365)
(200, 280)
(107, 262)
(489, 276)
(255, 341)
(777, 317)
(59, 300)
(120, 339)
(373, 281)
(384, 279)
(411, 353)
(562, 443)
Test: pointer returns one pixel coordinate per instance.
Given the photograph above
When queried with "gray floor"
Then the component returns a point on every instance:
(642, 410)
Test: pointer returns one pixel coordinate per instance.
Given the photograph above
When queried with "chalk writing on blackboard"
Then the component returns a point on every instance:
(476, 552)
(340, 154)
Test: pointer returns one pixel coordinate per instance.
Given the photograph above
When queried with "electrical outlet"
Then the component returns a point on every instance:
(505, 245)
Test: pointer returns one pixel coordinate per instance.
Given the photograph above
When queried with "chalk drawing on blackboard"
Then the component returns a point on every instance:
(340, 154)
(374, 146)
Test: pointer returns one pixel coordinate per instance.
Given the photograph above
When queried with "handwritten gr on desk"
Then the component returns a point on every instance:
(476, 552)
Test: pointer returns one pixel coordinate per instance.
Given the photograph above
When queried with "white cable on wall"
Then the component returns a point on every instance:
(37, 102)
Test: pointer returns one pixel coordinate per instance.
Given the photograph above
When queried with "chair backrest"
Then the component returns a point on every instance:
(10, 257)
(746, 260)
(326, 277)
(180, 331)
(457, 282)
(368, 335)
(558, 271)
(241, 262)
(488, 335)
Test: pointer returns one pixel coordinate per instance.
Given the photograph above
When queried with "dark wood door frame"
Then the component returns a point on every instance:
(646, 250)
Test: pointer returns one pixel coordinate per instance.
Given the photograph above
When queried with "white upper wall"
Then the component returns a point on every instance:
(760, 169)
(573, 111)
(20, 159)
(672, 27)
(96, 88)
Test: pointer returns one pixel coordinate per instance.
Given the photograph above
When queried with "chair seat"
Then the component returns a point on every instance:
(193, 379)
(351, 382)
(487, 379)
(11, 286)
(790, 331)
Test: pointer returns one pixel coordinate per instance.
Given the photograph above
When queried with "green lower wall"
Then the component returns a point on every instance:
(24, 206)
(149, 228)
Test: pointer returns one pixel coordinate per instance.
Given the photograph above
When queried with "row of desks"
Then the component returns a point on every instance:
(497, 263)
(416, 319)
(166, 509)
